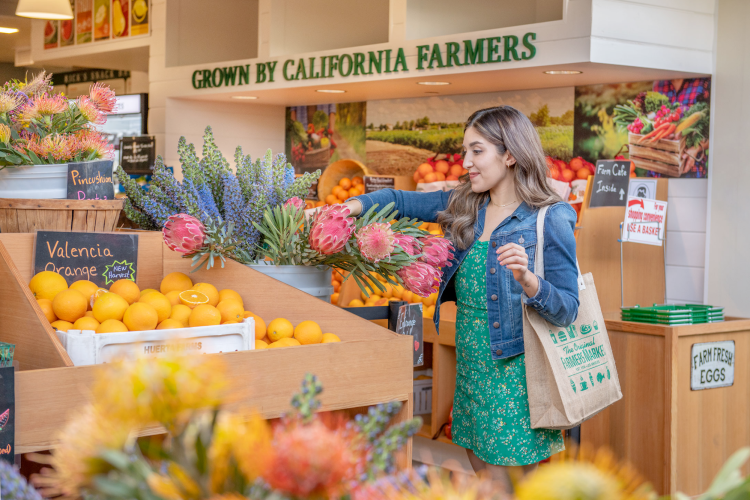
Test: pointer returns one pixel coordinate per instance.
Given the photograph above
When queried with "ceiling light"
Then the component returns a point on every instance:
(433, 83)
(45, 9)
(244, 97)
(563, 72)
(8, 30)
(330, 91)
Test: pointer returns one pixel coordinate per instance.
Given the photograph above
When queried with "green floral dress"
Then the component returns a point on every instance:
(491, 405)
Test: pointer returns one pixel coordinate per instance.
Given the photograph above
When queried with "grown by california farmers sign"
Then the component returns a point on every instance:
(439, 55)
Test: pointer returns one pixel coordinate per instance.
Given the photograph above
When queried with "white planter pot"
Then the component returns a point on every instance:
(34, 181)
(313, 280)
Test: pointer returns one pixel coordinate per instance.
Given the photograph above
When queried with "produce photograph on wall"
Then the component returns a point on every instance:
(324, 133)
(663, 125)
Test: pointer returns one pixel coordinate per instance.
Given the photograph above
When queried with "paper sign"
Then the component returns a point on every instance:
(137, 154)
(7, 414)
(712, 365)
(91, 180)
(610, 183)
(373, 184)
(642, 188)
(645, 221)
(410, 322)
(99, 257)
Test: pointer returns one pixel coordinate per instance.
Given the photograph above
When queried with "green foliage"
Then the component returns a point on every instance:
(446, 140)
(699, 131)
(541, 118)
(654, 101)
(320, 120)
(557, 141)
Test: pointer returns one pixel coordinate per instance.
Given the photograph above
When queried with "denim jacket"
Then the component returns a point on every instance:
(557, 297)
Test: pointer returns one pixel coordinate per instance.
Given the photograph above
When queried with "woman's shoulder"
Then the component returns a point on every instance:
(561, 213)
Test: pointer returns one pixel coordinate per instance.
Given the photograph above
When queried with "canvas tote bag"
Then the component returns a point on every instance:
(570, 372)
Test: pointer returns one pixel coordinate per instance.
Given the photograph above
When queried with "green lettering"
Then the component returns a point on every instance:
(511, 42)
(219, 72)
(474, 54)
(451, 56)
(286, 65)
(271, 69)
(359, 63)
(527, 43)
(196, 85)
(207, 78)
(244, 74)
(376, 62)
(301, 71)
(313, 74)
(323, 66)
(400, 59)
(492, 48)
(388, 61)
(345, 57)
(436, 56)
(230, 73)
(260, 73)
(421, 55)
(334, 64)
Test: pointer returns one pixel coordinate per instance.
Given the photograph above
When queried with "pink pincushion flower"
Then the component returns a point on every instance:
(45, 105)
(375, 241)
(420, 278)
(103, 97)
(331, 228)
(296, 202)
(436, 251)
(89, 111)
(408, 244)
(90, 141)
(183, 233)
(59, 147)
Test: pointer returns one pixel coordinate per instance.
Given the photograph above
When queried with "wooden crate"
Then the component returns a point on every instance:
(663, 156)
(91, 216)
(370, 365)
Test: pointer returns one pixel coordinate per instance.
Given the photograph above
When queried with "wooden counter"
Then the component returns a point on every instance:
(676, 437)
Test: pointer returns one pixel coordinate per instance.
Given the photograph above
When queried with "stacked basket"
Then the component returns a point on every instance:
(673, 315)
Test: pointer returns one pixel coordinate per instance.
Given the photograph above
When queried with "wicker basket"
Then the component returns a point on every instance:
(90, 216)
(315, 159)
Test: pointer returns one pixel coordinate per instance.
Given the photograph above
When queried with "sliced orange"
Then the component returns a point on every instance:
(192, 298)
(96, 295)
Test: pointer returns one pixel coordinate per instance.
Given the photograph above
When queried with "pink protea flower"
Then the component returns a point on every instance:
(296, 202)
(59, 147)
(375, 241)
(45, 105)
(9, 101)
(408, 244)
(436, 251)
(420, 278)
(331, 228)
(183, 233)
(103, 97)
(89, 110)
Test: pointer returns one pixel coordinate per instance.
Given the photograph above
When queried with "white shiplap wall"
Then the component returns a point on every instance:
(686, 240)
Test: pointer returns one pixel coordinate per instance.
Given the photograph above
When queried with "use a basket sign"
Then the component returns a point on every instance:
(645, 221)
(99, 257)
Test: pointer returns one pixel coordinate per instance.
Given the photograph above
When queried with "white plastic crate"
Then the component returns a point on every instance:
(86, 347)
(423, 392)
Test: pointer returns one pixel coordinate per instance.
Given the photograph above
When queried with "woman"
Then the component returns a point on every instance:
(491, 220)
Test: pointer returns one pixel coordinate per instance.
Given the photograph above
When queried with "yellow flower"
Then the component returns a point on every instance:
(164, 487)
(246, 441)
(4, 133)
(183, 481)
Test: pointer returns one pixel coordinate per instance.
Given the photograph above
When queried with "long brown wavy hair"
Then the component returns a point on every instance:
(508, 130)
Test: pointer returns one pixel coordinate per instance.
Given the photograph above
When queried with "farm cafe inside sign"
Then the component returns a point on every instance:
(644, 221)
(447, 55)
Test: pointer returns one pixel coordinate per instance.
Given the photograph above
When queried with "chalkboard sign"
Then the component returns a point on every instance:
(98, 257)
(373, 184)
(610, 183)
(137, 154)
(91, 180)
(7, 414)
(409, 322)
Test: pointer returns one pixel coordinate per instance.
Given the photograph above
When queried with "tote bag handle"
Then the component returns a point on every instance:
(539, 259)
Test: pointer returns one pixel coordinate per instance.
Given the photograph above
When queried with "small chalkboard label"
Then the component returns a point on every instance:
(312, 193)
(99, 257)
(91, 180)
(377, 183)
(409, 322)
(610, 183)
(137, 154)
(7, 414)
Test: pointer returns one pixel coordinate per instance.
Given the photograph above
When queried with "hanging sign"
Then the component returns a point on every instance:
(7, 414)
(409, 322)
(91, 180)
(642, 188)
(644, 221)
(610, 183)
(99, 257)
(712, 365)
(138, 154)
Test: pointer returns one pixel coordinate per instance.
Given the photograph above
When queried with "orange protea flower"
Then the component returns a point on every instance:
(59, 147)
(90, 141)
(89, 110)
(103, 97)
(45, 105)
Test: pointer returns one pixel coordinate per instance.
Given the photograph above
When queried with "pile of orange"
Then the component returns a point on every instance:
(345, 189)
(337, 279)
(440, 170)
(282, 333)
(392, 294)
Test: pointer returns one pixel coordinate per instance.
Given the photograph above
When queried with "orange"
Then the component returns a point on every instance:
(356, 181)
(112, 326)
(336, 190)
(356, 303)
(87, 288)
(231, 310)
(260, 325)
(147, 290)
(332, 199)
(308, 332)
(407, 296)
(230, 294)
(424, 169)
(428, 312)
(174, 297)
(335, 298)
(47, 284)
(398, 291)
(95, 296)
(191, 298)
(127, 289)
(354, 192)
(46, 306)
(439, 176)
(230, 322)
(583, 173)
(320, 204)
(209, 290)
(109, 306)
(175, 282)
(388, 293)
(285, 342)
(345, 183)
(342, 196)
(204, 315)
(85, 323)
(417, 176)
(159, 302)
(442, 166)
(69, 305)
(280, 328)
(381, 302)
(181, 313)
(170, 324)
(61, 325)
(140, 317)
(329, 338)
(336, 286)
(259, 344)
(431, 177)
(89, 314)
(456, 170)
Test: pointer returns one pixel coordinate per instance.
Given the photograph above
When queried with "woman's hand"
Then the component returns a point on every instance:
(513, 256)
(355, 208)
